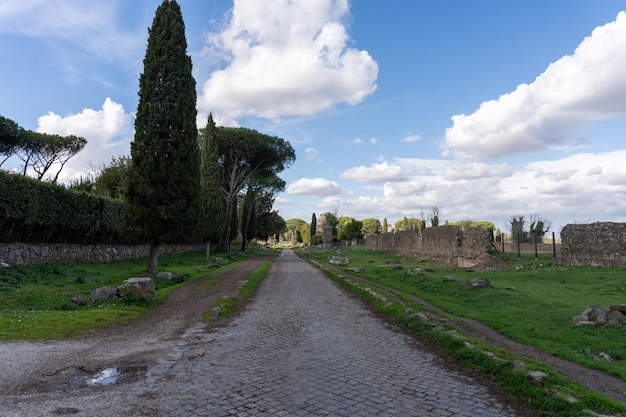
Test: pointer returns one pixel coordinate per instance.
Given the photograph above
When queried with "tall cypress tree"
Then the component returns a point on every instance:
(163, 193)
(211, 184)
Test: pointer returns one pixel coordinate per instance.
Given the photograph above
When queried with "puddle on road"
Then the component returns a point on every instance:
(112, 375)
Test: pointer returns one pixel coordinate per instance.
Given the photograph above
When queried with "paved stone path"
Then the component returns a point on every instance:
(305, 348)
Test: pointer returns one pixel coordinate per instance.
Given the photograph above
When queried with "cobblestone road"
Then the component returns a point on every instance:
(305, 348)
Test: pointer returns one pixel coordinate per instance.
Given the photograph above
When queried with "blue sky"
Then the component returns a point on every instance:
(483, 109)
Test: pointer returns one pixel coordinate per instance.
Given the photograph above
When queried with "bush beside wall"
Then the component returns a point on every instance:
(39, 212)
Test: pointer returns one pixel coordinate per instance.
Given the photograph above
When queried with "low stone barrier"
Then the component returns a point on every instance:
(15, 254)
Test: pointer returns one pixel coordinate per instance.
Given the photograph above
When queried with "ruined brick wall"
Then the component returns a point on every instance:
(446, 244)
(25, 254)
(442, 244)
(407, 242)
(595, 244)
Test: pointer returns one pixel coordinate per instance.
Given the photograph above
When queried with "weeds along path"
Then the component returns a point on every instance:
(591, 379)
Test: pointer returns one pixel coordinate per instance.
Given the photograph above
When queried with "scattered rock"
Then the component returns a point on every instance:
(448, 278)
(358, 269)
(414, 271)
(104, 293)
(520, 366)
(339, 260)
(423, 316)
(595, 315)
(476, 283)
(604, 356)
(218, 260)
(164, 275)
(140, 288)
(79, 300)
(4, 265)
(537, 376)
(397, 267)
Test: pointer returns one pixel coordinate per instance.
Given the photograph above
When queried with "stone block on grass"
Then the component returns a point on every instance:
(139, 288)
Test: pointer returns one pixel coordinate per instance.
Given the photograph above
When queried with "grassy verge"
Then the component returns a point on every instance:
(227, 305)
(35, 300)
(514, 304)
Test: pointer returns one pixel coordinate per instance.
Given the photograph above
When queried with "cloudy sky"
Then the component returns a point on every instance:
(483, 109)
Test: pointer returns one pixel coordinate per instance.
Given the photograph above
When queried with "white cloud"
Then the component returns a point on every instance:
(311, 153)
(573, 92)
(411, 138)
(457, 171)
(108, 132)
(296, 63)
(314, 186)
(91, 26)
(377, 172)
(579, 186)
(359, 141)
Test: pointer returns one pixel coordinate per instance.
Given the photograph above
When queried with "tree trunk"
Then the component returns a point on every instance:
(207, 251)
(154, 258)
(224, 241)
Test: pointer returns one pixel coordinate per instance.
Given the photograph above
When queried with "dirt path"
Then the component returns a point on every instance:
(66, 364)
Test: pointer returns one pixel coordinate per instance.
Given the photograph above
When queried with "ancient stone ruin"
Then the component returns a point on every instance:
(595, 315)
(469, 248)
(595, 244)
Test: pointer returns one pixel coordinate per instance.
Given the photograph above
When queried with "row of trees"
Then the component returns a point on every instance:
(343, 228)
(178, 184)
(537, 229)
(178, 188)
(37, 151)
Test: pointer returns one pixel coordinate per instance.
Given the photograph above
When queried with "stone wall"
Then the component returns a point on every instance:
(595, 244)
(25, 254)
(447, 244)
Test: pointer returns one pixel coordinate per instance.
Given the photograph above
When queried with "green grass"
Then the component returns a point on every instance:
(509, 310)
(35, 300)
(227, 305)
(254, 279)
(531, 301)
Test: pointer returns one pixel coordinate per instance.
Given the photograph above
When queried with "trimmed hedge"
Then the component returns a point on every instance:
(38, 212)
